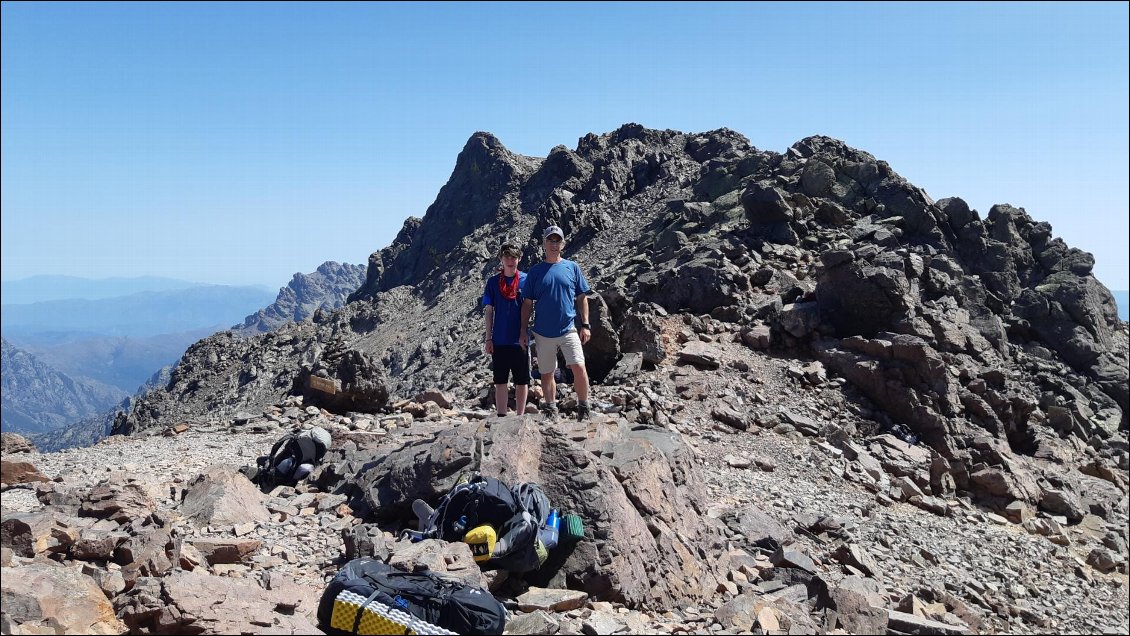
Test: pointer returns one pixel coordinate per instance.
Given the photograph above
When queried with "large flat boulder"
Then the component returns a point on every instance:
(222, 496)
(647, 540)
(44, 596)
(198, 603)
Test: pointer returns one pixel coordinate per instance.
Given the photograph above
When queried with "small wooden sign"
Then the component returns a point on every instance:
(325, 385)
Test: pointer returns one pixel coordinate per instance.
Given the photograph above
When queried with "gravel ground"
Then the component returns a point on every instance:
(1026, 583)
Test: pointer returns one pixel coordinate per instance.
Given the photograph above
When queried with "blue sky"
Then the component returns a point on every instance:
(241, 143)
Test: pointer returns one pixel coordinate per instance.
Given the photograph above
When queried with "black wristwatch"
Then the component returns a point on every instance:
(585, 325)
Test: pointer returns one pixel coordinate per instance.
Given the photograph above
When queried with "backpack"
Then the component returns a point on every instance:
(533, 499)
(515, 515)
(370, 597)
(292, 457)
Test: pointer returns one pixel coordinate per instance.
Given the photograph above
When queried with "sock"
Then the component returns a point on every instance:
(551, 405)
(582, 402)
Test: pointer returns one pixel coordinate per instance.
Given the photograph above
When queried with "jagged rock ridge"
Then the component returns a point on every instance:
(326, 288)
(987, 337)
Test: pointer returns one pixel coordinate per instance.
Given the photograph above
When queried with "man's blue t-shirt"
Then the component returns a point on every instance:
(507, 313)
(555, 287)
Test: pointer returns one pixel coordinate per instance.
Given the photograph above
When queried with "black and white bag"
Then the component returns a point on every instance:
(292, 458)
(370, 597)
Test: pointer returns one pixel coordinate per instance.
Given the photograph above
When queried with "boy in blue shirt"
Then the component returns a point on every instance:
(559, 289)
(502, 300)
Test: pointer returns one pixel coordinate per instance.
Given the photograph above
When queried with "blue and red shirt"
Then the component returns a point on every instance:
(507, 311)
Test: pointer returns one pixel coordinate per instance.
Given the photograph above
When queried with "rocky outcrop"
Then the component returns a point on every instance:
(221, 496)
(12, 443)
(638, 489)
(325, 289)
(52, 597)
(193, 602)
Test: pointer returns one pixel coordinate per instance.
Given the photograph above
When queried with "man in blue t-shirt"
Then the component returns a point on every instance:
(559, 289)
(502, 300)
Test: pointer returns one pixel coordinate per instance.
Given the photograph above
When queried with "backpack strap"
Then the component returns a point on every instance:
(533, 500)
(361, 609)
(278, 445)
(287, 447)
(438, 521)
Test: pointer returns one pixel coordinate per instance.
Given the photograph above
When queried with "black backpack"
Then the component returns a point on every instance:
(289, 453)
(370, 597)
(516, 515)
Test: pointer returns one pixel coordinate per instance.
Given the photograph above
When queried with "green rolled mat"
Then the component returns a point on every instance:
(572, 529)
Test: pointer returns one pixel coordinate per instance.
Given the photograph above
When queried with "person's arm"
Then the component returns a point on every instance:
(585, 332)
(489, 327)
(581, 290)
(527, 309)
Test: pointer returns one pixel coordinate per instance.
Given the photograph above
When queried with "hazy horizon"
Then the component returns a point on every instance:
(243, 143)
(48, 288)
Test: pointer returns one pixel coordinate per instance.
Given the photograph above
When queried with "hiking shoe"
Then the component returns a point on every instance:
(550, 412)
(583, 412)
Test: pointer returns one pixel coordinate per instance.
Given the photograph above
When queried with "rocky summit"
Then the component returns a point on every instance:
(823, 402)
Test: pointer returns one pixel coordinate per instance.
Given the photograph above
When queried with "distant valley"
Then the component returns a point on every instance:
(121, 361)
(38, 398)
(70, 362)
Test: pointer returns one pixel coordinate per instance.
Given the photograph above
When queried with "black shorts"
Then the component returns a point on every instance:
(509, 359)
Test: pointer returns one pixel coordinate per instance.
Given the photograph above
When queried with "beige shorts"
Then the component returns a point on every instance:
(570, 345)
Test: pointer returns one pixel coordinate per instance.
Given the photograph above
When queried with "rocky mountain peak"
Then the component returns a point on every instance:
(326, 288)
(479, 192)
(988, 338)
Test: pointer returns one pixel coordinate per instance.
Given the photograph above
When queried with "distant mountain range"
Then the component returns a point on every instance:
(326, 288)
(142, 314)
(42, 288)
(121, 361)
(75, 359)
(71, 362)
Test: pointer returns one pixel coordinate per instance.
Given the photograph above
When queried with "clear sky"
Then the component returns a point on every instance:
(241, 143)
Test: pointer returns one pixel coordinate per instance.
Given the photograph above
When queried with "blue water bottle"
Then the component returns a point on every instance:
(549, 532)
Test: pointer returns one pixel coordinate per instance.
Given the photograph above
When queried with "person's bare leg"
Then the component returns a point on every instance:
(548, 387)
(520, 393)
(500, 398)
(580, 382)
